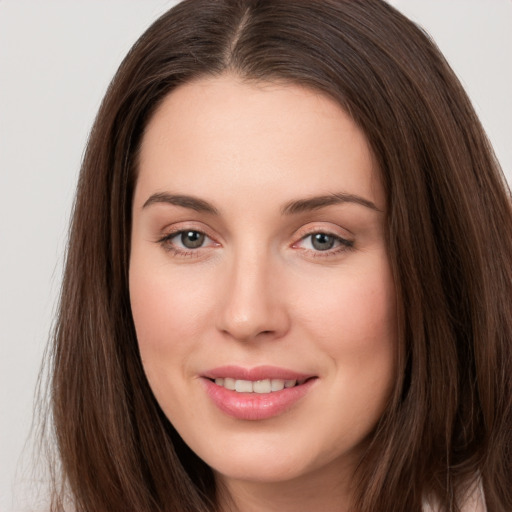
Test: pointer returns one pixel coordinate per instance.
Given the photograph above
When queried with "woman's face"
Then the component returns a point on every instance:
(260, 284)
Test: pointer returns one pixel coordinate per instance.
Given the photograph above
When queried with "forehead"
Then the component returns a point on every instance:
(251, 136)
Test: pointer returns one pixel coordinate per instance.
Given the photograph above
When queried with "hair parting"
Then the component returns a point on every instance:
(449, 227)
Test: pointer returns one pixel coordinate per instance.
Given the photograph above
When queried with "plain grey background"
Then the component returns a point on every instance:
(56, 60)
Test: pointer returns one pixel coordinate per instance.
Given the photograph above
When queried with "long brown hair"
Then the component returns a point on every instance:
(449, 228)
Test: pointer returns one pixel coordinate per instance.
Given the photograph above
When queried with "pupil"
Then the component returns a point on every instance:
(323, 242)
(192, 239)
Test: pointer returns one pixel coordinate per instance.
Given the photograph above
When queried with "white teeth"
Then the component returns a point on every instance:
(277, 384)
(259, 386)
(230, 383)
(243, 386)
(262, 386)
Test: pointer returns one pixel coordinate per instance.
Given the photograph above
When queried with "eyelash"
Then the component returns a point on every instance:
(168, 246)
(344, 244)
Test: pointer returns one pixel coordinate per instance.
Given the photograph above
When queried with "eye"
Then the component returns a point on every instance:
(190, 239)
(186, 242)
(321, 242)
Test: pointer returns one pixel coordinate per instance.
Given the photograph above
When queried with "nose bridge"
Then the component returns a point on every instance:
(252, 304)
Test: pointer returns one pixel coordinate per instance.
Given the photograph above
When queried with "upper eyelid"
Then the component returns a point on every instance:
(301, 233)
(165, 243)
(335, 230)
(344, 244)
(180, 227)
(343, 240)
(174, 233)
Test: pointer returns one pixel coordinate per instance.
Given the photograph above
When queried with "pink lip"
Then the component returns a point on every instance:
(257, 373)
(255, 406)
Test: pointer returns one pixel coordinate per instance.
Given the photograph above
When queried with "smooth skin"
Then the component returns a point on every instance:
(233, 264)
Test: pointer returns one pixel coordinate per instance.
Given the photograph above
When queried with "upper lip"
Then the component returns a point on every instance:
(256, 373)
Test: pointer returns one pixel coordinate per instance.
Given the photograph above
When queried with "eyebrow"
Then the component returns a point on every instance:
(318, 202)
(190, 202)
(290, 208)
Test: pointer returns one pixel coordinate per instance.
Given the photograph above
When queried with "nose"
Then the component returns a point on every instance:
(252, 304)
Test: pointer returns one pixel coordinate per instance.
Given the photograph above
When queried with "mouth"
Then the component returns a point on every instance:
(263, 386)
(256, 394)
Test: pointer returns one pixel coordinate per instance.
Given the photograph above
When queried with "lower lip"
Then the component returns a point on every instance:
(255, 406)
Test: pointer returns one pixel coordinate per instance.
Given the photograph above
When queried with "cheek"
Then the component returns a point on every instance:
(353, 321)
(357, 312)
(166, 312)
(163, 306)
(169, 311)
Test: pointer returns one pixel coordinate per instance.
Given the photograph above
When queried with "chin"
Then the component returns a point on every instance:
(265, 471)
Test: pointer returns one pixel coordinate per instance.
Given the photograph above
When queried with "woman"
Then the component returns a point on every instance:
(289, 274)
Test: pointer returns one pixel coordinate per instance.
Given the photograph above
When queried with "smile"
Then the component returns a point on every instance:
(259, 386)
(256, 393)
